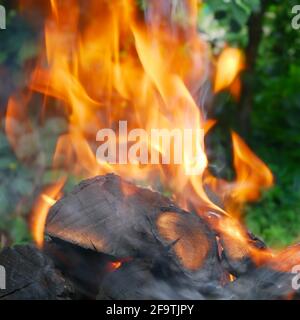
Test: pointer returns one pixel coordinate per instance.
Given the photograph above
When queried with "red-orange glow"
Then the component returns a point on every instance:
(115, 265)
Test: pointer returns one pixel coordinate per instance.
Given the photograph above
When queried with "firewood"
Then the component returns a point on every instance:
(116, 217)
(165, 251)
(30, 275)
(110, 239)
(274, 280)
(85, 268)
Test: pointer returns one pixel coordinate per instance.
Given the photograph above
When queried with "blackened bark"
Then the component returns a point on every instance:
(30, 275)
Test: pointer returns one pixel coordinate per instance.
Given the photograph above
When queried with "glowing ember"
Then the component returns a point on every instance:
(231, 278)
(116, 265)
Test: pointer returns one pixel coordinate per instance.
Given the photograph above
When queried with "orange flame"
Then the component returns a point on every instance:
(115, 68)
(110, 64)
(41, 208)
(238, 244)
(252, 175)
(229, 64)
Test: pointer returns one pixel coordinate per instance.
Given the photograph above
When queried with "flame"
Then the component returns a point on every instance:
(231, 278)
(115, 67)
(47, 198)
(252, 174)
(229, 64)
(115, 265)
(252, 177)
(111, 64)
(238, 244)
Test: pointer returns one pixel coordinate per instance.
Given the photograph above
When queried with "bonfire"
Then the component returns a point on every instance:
(149, 219)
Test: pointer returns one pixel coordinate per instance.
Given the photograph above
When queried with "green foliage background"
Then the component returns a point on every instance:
(275, 117)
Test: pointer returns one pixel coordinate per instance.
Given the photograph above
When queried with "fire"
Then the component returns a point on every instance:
(229, 64)
(115, 265)
(232, 278)
(115, 68)
(252, 177)
(238, 244)
(41, 208)
(48, 199)
(115, 64)
(252, 174)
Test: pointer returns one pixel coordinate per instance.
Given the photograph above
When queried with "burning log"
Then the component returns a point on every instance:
(116, 217)
(140, 227)
(109, 239)
(274, 280)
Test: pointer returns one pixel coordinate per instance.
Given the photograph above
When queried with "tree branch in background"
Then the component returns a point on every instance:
(255, 32)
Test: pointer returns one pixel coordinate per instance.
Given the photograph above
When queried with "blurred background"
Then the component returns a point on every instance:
(267, 114)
